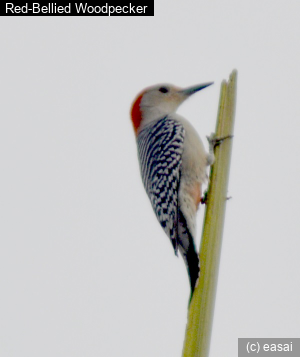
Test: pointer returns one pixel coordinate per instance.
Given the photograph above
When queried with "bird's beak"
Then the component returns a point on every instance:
(191, 90)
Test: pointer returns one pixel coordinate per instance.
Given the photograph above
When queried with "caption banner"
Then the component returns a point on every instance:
(126, 8)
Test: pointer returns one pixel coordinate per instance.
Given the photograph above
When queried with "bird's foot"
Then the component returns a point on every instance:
(204, 198)
(213, 141)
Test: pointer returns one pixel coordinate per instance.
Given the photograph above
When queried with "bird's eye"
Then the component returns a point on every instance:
(163, 90)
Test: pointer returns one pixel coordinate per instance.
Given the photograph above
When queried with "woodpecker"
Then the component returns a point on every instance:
(173, 165)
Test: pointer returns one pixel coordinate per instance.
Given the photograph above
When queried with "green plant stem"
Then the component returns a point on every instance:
(200, 316)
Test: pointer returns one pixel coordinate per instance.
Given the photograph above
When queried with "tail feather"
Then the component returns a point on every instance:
(188, 251)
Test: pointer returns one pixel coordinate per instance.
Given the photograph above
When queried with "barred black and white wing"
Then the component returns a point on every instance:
(160, 148)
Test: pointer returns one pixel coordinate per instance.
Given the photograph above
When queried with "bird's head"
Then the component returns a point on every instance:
(158, 101)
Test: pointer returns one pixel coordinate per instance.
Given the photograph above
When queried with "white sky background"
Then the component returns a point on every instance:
(85, 268)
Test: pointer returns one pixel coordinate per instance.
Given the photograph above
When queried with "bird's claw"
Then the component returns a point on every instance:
(204, 198)
(213, 141)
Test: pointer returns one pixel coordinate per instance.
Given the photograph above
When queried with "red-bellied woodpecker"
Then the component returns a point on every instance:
(173, 165)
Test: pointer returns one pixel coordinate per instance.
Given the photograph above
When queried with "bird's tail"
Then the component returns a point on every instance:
(188, 251)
